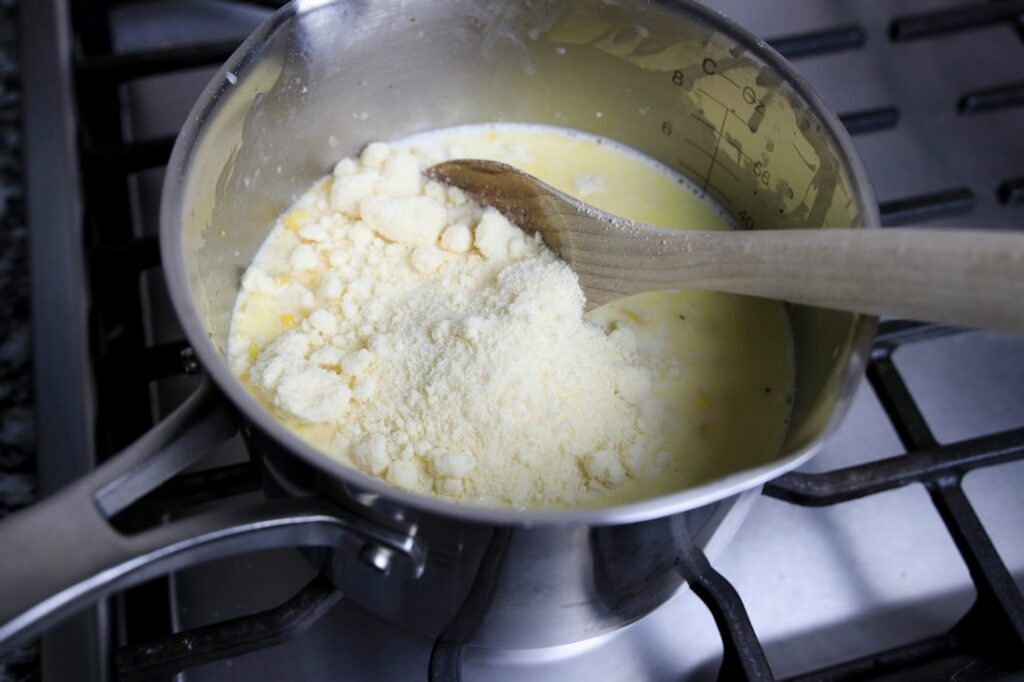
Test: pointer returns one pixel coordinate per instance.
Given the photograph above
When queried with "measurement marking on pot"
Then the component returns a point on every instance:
(807, 191)
(691, 171)
(710, 67)
(706, 122)
(696, 146)
(712, 98)
(810, 166)
(720, 131)
(711, 156)
(714, 156)
(751, 97)
(762, 174)
(740, 154)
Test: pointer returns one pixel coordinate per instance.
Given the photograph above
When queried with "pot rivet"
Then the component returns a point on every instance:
(189, 362)
(376, 557)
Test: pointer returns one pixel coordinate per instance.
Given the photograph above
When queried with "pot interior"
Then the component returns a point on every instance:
(321, 79)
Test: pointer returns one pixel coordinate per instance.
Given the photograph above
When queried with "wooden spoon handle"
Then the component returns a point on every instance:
(970, 278)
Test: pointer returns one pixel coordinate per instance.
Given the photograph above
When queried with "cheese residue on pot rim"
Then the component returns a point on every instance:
(426, 340)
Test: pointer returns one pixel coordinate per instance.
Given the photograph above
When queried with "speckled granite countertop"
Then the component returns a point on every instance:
(17, 461)
(16, 424)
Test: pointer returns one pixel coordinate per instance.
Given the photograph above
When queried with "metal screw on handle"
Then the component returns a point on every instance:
(189, 362)
(377, 558)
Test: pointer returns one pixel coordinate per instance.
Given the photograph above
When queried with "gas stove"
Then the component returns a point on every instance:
(896, 553)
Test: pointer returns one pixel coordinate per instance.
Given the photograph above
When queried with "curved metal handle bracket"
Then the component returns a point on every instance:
(173, 445)
(62, 553)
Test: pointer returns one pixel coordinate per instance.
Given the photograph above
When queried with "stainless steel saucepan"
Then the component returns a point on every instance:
(316, 82)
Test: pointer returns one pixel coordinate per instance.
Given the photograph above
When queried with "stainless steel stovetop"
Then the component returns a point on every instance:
(820, 585)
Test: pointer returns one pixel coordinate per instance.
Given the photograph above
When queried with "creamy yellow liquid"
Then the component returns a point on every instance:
(727, 402)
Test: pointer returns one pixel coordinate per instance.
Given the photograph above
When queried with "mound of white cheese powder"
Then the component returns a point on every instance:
(443, 349)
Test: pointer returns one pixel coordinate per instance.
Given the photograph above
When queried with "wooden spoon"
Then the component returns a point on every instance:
(971, 278)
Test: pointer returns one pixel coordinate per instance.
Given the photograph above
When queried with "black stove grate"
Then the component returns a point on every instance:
(161, 659)
(990, 638)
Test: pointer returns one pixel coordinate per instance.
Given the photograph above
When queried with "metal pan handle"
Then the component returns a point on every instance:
(62, 553)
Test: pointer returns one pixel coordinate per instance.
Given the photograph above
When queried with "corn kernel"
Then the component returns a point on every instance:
(254, 351)
(288, 321)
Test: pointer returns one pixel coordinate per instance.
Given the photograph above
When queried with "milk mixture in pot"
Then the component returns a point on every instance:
(422, 338)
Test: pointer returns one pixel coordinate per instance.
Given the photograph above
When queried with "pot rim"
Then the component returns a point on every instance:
(217, 368)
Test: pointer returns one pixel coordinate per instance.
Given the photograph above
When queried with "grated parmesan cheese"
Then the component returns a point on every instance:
(444, 347)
